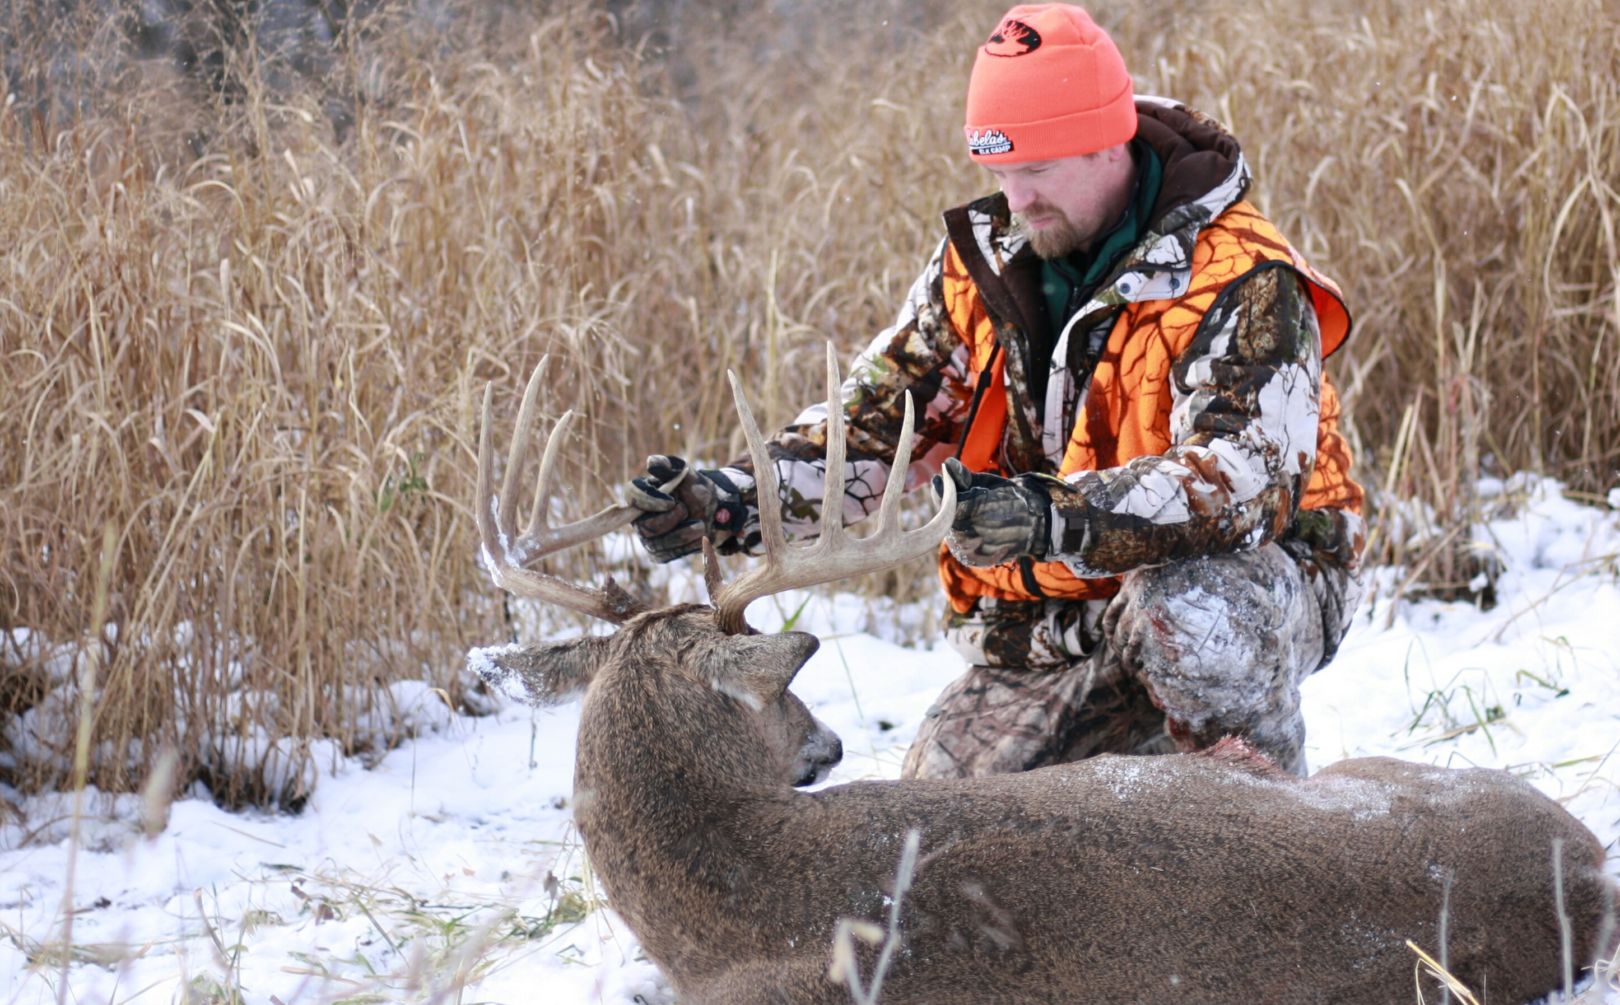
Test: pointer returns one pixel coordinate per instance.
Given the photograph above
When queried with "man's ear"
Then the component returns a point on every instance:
(547, 674)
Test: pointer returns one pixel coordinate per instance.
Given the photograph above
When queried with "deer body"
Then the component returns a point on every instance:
(1212, 879)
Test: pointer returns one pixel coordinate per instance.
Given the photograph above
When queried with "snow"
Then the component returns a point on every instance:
(449, 870)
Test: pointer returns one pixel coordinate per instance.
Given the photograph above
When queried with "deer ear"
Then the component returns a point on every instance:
(540, 675)
(763, 666)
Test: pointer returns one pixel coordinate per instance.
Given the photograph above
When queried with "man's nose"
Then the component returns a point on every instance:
(1019, 195)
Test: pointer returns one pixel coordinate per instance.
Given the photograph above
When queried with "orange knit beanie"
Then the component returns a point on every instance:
(1048, 84)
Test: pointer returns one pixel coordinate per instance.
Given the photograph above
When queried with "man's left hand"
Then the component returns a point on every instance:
(997, 519)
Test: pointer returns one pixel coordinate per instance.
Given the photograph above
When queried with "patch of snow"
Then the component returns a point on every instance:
(435, 870)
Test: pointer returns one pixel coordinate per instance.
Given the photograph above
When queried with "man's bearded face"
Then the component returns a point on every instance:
(1065, 205)
(1053, 235)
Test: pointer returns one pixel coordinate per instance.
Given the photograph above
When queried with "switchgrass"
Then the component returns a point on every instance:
(245, 319)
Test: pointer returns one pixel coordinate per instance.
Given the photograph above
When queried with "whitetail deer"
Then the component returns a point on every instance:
(1204, 878)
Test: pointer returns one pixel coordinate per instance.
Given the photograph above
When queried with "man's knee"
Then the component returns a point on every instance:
(1225, 615)
(1221, 644)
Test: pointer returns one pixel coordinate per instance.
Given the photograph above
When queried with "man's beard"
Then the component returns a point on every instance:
(1057, 241)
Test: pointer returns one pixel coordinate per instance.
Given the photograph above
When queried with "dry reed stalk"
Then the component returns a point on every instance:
(242, 327)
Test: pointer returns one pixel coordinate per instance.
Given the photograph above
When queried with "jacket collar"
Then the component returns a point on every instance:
(1204, 175)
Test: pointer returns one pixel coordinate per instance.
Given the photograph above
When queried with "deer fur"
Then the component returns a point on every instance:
(1202, 878)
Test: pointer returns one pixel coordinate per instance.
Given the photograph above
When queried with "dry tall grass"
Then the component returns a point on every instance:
(244, 349)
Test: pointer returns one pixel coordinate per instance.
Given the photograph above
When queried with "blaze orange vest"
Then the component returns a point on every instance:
(1127, 407)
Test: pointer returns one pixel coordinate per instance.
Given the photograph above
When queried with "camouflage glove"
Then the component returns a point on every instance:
(681, 506)
(997, 519)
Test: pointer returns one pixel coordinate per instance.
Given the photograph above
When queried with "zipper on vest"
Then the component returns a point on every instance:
(985, 377)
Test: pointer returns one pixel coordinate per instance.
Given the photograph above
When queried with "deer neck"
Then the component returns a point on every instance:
(644, 772)
(672, 832)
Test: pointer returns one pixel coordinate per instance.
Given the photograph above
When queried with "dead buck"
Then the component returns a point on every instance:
(1205, 878)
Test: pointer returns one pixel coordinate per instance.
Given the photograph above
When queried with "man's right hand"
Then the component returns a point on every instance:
(681, 506)
(997, 519)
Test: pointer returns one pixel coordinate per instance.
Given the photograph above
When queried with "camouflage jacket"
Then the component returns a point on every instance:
(1235, 418)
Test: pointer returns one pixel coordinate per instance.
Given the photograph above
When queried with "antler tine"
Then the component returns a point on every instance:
(507, 559)
(766, 485)
(832, 491)
(834, 555)
(518, 451)
(889, 508)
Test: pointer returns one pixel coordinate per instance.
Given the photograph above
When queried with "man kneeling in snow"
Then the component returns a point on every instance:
(1119, 362)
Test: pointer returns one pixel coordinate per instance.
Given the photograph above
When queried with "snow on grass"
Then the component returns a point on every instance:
(449, 872)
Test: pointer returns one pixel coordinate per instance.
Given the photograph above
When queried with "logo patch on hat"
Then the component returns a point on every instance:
(1013, 38)
(985, 142)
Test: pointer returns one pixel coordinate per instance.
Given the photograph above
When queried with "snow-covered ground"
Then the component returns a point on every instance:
(450, 871)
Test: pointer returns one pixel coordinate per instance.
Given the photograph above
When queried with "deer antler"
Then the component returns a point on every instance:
(510, 559)
(834, 555)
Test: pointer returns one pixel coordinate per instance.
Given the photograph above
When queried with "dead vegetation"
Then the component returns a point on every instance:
(242, 327)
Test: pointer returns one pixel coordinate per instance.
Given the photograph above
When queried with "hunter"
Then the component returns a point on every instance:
(1118, 360)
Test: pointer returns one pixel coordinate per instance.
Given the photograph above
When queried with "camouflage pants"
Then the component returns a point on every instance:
(1183, 655)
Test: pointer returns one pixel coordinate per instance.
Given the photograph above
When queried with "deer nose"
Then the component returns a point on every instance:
(820, 764)
(820, 753)
(832, 748)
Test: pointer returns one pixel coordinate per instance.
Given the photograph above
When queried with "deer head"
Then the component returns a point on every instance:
(672, 651)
